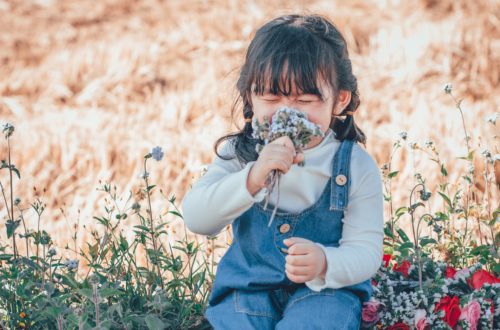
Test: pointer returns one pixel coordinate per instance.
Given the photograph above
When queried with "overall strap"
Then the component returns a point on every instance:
(341, 178)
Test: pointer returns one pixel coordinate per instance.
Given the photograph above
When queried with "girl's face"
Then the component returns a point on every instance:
(318, 108)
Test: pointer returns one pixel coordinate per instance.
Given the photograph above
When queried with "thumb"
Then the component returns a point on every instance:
(298, 158)
(293, 240)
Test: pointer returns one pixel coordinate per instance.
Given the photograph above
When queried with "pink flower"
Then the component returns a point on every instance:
(421, 322)
(370, 311)
(471, 313)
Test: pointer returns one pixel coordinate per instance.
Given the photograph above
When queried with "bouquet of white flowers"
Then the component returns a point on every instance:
(285, 122)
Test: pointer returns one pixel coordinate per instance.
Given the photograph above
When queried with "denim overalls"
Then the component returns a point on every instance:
(251, 289)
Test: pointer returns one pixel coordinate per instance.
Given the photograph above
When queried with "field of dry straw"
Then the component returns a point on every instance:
(91, 86)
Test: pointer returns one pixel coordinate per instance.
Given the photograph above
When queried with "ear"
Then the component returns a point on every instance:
(343, 100)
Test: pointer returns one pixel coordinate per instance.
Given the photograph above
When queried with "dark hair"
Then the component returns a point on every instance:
(306, 47)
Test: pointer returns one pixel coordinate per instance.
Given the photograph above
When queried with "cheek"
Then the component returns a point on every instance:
(261, 110)
(320, 117)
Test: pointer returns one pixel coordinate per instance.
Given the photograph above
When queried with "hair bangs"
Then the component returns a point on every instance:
(298, 61)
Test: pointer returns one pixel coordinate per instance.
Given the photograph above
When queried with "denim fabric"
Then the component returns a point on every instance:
(251, 289)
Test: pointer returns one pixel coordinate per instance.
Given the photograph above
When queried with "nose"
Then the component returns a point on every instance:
(289, 102)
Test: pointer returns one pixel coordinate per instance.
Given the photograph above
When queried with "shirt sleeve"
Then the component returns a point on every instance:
(219, 196)
(360, 250)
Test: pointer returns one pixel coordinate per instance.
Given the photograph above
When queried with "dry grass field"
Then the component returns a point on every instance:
(92, 86)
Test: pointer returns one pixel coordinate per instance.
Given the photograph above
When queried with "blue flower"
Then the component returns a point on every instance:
(157, 153)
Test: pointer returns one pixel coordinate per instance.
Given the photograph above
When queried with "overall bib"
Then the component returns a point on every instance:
(251, 289)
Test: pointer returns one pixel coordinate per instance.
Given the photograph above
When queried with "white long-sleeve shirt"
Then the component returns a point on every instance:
(220, 196)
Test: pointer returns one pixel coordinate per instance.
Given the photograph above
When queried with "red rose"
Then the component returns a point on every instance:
(386, 259)
(450, 272)
(451, 308)
(374, 282)
(403, 269)
(398, 326)
(480, 277)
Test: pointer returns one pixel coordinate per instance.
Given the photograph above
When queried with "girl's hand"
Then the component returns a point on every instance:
(277, 155)
(305, 260)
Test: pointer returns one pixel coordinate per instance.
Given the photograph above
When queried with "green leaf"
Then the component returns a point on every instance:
(54, 311)
(148, 189)
(123, 243)
(154, 323)
(146, 229)
(406, 246)
(17, 172)
(403, 235)
(470, 156)
(68, 280)
(30, 263)
(6, 256)
(176, 213)
(108, 292)
(11, 227)
(414, 206)
(87, 293)
(160, 225)
(400, 211)
(446, 199)
(393, 174)
(388, 232)
(444, 172)
(426, 240)
(496, 268)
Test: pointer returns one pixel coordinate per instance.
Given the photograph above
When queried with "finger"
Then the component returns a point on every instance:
(285, 141)
(298, 270)
(300, 249)
(297, 260)
(298, 158)
(282, 152)
(294, 240)
(282, 155)
(280, 165)
(297, 279)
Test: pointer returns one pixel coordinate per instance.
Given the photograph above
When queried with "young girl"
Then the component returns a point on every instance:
(311, 269)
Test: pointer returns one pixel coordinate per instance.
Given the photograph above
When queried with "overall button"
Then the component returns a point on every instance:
(341, 179)
(284, 228)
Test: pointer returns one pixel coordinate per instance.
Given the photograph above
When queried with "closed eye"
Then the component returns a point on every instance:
(309, 100)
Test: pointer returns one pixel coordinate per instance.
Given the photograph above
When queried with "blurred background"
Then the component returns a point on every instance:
(92, 86)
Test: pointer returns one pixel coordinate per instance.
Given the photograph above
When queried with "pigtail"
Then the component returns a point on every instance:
(347, 128)
(243, 142)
